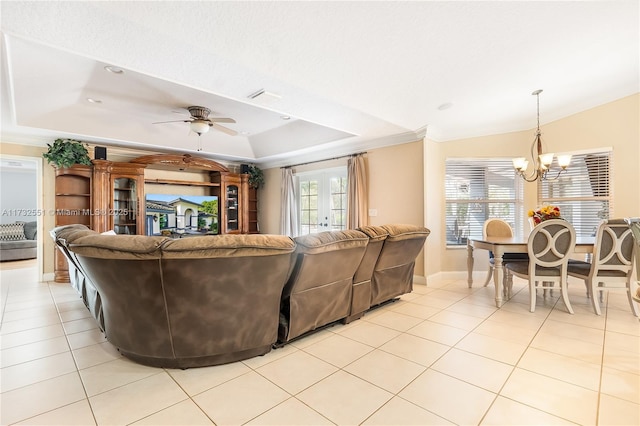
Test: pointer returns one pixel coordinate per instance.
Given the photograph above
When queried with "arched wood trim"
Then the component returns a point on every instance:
(180, 162)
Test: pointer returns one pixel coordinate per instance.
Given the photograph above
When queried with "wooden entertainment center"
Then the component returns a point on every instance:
(111, 195)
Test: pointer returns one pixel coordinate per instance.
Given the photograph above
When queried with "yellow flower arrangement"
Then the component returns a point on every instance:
(544, 213)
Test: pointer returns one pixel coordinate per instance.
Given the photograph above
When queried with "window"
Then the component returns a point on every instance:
(582, 192)
(323, 200)
(479, 189)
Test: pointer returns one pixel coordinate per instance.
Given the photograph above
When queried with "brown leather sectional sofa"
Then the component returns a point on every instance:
(216, 299)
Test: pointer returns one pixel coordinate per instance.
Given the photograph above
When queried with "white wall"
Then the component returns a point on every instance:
(18, 197)
(396, 189)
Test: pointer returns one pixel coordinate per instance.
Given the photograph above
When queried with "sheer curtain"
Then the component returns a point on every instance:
(289, 206)
(357, 196)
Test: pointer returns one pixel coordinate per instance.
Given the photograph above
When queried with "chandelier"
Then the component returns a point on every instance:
(541, 161)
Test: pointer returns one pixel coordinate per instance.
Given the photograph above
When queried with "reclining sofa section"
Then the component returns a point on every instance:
(216, 299)
(188, 302)
(339, 275)
(320, 287)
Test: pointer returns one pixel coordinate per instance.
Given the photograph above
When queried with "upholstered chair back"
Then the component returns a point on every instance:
(495, 227)
(549, 246)
(611, 264)
(614, 249)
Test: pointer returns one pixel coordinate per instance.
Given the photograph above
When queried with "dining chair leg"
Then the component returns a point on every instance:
(532, 296)
(565, 295)
(588, 286)
(594, 297)
(632, 303)
(489, 274)
(507, 284)
(601, 293)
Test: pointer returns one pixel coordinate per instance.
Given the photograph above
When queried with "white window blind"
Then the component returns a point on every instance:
(479, 189)
(582, 192)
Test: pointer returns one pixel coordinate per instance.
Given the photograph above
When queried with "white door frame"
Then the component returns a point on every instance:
(323, 192)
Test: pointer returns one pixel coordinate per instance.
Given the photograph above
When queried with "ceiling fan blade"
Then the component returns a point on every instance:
(223, 129)
(221, 120)
(173, 121)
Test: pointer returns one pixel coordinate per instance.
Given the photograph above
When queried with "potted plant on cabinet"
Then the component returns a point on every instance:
(64, 153)
(256, 177)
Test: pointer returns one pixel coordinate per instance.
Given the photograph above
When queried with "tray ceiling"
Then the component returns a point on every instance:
(349, 75)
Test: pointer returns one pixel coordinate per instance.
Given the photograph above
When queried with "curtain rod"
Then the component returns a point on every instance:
(326, 159)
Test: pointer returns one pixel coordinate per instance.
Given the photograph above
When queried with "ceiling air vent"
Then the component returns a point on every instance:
(264, 97)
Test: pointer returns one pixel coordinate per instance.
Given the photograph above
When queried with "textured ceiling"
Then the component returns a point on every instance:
(351, 75)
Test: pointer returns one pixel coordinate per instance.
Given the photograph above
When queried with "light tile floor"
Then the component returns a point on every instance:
(441, 355)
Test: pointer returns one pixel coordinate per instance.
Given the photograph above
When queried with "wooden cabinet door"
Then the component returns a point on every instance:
(232, 202)
(126, 209)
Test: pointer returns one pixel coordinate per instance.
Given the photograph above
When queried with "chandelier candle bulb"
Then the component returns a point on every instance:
(546, 159)
(564, 161)
(519, 163)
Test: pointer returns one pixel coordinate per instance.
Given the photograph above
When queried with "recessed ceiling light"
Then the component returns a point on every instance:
(94, 101)
(445, 106)
(114, 70)
(285, 117)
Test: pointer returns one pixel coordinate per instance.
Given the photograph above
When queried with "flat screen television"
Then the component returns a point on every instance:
(178, 215)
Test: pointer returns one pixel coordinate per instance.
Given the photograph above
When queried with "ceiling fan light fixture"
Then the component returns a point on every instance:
(199, 126)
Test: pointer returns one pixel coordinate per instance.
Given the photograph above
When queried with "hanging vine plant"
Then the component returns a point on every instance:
(67, 152)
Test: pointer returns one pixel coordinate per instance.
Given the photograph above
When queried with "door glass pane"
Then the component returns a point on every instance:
(323, 201)
(308, 206)
(338, 204)
(125, 206)
(232, 208)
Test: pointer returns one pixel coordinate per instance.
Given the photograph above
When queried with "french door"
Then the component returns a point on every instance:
(322, 200)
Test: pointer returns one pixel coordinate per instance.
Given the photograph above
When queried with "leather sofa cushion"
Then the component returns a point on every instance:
(375, 233)
(68, 233)
(227, 246)
(117, 246)
(400, 232)
(330, 241)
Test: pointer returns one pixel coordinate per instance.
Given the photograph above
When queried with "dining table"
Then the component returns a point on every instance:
(501, 245)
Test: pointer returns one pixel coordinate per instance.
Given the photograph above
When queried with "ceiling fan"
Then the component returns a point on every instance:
(200, 122)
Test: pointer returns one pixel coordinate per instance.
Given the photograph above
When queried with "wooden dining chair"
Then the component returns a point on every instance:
(549, 246)
(611, 265)
(495, 227)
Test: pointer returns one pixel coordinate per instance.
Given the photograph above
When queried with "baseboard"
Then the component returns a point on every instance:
(478, 276)
(47, 277)
(462, 275)
(419, 279)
